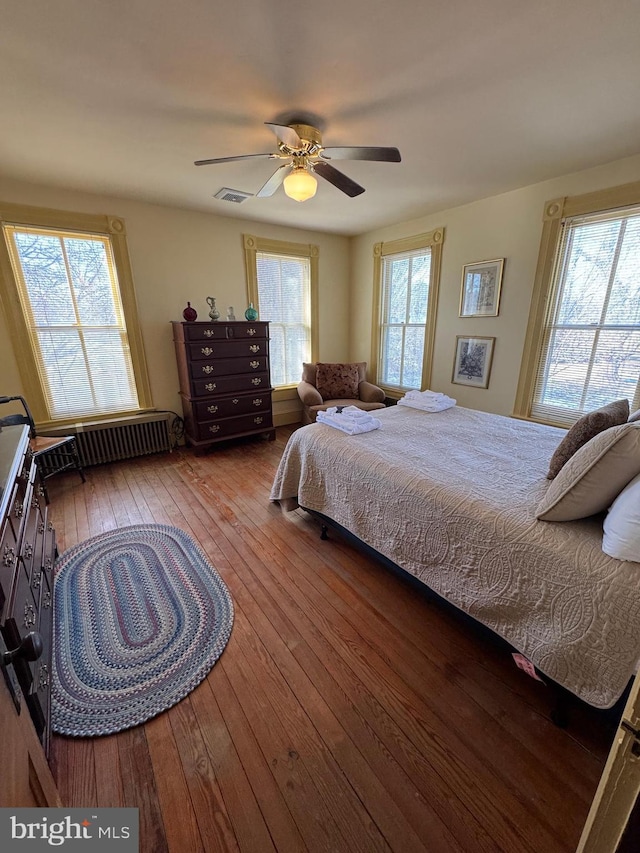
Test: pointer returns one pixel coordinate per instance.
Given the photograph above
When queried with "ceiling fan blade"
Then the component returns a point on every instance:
(285, 134)
(231, 159)
(386, 155)
(338, 179)
(274, 181)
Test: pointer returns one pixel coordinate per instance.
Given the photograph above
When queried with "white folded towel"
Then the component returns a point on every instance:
(427, 401)
(347, 423)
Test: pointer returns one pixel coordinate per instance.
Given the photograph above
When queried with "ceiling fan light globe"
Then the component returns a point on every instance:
(300, 185)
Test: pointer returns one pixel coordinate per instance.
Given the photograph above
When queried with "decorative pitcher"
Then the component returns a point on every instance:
(214, 313)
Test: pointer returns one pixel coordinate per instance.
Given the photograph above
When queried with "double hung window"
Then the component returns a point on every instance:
(588, 348)
(70, 322)
(282, 282)
(406, 277)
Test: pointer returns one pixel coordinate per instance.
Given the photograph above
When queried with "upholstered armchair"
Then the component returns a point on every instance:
(324, 385)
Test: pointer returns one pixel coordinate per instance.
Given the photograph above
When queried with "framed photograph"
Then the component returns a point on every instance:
(481, 283)
(472, 363)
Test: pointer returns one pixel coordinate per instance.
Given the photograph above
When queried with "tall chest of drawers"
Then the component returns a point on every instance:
(27, 554)
(224, 380)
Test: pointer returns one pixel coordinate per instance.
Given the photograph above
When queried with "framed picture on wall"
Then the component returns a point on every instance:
(481, 284)
(472, 361)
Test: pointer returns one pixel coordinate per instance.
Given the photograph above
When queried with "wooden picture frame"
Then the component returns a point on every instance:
(480, 290)
(472, 361)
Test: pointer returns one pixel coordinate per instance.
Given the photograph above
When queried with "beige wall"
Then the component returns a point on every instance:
(179, 255)
(505, 226)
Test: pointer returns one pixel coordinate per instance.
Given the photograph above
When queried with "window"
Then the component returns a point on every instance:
(406, 277)
(282, 283)
(71, 331)
(588, 346)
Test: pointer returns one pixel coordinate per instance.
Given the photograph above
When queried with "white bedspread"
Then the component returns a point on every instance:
(451, 498)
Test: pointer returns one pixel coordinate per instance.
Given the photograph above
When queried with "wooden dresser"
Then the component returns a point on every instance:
(27, 554)
(224, 380)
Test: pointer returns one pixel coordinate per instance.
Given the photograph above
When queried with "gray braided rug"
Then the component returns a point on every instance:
(140, 617)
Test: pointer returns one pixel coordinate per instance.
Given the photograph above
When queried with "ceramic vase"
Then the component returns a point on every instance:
(213, 313)
(251, 314)
(190, 314)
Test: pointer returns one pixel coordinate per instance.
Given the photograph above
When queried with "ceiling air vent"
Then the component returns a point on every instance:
(236, 196)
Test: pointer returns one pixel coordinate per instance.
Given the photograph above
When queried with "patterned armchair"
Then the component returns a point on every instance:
(324, 385)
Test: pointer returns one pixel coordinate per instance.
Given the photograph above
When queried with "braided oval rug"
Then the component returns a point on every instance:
(140, 617)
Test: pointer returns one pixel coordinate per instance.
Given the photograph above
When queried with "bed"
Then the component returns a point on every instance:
(451, 497)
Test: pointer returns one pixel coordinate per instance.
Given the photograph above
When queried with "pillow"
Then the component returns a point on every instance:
(594, 476)
(621, 537)
(337, 381)
(634, 417)
(589, 425)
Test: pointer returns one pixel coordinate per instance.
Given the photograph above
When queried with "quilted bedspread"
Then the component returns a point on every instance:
(451, 498)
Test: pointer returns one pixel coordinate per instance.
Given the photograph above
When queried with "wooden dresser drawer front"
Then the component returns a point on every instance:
(228, 366)
(223, 331)
(233, 426)
(230, 384)
(225, 407)
(227, 349)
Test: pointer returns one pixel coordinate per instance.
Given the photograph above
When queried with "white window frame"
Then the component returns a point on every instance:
(431, 241)
(110, 227)
(254, 245)
(556, 213)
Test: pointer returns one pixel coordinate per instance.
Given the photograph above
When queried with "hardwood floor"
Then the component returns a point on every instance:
(349, 711)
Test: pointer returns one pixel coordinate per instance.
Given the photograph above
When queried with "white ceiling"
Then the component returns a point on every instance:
(480, 96)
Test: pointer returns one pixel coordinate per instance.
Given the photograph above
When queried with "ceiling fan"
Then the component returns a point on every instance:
(301, 146)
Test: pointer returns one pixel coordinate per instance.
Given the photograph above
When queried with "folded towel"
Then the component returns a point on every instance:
(347, 423)
(427, 401)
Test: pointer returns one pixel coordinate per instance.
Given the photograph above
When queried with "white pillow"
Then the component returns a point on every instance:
(621, 537)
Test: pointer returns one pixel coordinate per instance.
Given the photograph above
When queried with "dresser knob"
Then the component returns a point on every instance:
(210, 386)
(257, 401)
(256, 380)
(254, 364)
(235, 401)
(43, 676)
(30, 648)
(214, 428)
(254, 348)
(212, 409)
(257, 420)
(207, 368)
(9, 556)
(251, 332)
(36, 579)
(206, 350)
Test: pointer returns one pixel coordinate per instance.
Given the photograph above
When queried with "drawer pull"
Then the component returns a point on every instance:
(235, 401)
(254, 364)
(214, 428)
(46, 601)
(28, 551)
(18, 510)
(251, 332)
(206, 350)
(48, 564)
(9, 556)
(212, 409)
(257, 401)
(36, 580)
(207, 368)
(43, 676)
(208, 333)
(257, 420)
(41, 527)
(254, 348)
(210, 386)
(29, 615)
(256, 380)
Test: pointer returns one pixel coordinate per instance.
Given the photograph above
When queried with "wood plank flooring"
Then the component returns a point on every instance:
(349, 711)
